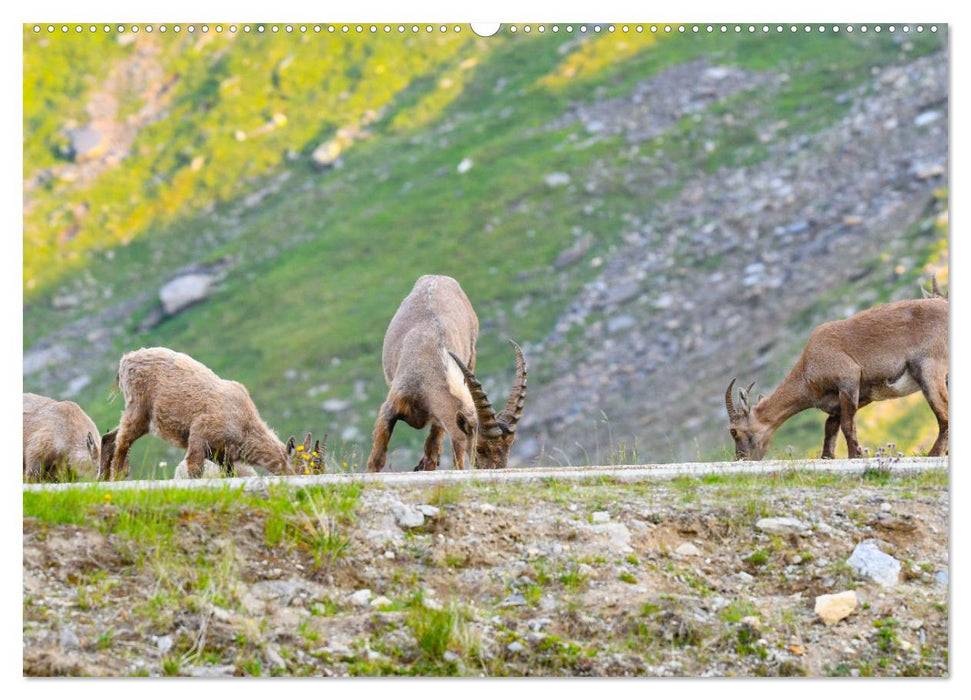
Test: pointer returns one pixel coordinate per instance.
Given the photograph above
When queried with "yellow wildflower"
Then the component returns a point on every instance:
(107, 498)
(305, 456)
(299, 448)
(315, 454)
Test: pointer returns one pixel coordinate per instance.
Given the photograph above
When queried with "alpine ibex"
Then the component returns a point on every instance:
(428, 358)
(886, 352)
(60, 440)
(186, 404)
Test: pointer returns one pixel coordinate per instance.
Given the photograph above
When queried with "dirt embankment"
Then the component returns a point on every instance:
(679, 578)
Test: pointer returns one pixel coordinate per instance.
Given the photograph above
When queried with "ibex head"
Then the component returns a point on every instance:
(305, 459)
(495, 433)
(751, 435)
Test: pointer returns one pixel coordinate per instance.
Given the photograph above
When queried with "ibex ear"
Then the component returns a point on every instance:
(306, 442)
(925, 293)
(761, 396)
(291, 446)
(92, 446)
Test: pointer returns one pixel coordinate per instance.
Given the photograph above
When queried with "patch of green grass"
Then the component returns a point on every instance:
(627, 577)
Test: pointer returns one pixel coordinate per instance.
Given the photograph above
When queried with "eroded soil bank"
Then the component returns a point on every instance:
(676, 578)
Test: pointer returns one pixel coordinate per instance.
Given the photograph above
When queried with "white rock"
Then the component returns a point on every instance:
(925, 118)
(834, 607)
(781, 526)
(361, 597)
(184, 291)
(427, 510)
(380, 601)
(464, 166)
(870, 562)
(406, 516)
(688, 550)
(164, 643)
(601, 516)
(556, 179)
(618, 536)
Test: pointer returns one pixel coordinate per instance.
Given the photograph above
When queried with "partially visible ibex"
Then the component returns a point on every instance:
(886, 352)
(308, 460)
(935, 293)
(428, 358)
(60, 440)
(186, 404)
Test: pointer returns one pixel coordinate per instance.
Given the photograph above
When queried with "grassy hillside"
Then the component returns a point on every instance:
(219, 169)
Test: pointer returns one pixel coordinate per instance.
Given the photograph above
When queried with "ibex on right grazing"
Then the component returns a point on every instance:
(428, 358)
(886, 352)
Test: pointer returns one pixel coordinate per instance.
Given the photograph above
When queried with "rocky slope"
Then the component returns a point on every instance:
(716, 576)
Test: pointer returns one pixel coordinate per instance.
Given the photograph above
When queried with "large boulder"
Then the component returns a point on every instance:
(184, 291)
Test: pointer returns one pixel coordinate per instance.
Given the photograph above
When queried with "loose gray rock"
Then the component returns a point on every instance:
(870, 562)
(406, 516)
(556, 179)
(688, 550)
(781, 526)
(618, 536)
(361, 597)
(512, 601)
(282, 591)
(427, 510)
(86, 143)
(182, 292)
(601, 516)
(272, 654)
(515, 647)
(210, 671)
(164, 643)
(68, 639)
(942, 577)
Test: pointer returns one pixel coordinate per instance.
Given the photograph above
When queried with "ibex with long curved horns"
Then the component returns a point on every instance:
(429, 358)
(886, 352)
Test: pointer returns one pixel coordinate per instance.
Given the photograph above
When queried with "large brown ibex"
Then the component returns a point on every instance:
(886, 352)
(428, 357)
(60, 440)
(186, 404)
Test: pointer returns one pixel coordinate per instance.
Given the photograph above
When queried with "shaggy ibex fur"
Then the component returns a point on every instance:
(886, 352)
(60, 440)
(183, 402)
(428, 357)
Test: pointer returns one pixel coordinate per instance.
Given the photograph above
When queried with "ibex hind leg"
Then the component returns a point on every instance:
(932, 379)
(433, 449)
(849, 402)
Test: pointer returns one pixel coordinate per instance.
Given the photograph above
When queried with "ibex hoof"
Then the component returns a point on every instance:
(426, 465)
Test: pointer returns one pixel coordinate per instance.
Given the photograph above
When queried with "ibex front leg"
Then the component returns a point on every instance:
(433, 449)
(387, 417)
(831, 432)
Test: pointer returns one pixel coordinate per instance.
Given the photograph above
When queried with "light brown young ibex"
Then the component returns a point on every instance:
(428, 358)
(60, 440)
(186, 404)
(886, 352)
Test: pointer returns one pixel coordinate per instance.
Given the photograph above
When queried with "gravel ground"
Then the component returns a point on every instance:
(714, 574)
